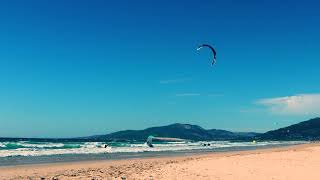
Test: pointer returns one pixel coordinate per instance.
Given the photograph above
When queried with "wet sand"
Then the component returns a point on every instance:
(287, 163)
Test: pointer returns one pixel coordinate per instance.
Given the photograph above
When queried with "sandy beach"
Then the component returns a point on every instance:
(295, 162)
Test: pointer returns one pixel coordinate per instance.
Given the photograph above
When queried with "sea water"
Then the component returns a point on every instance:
(31, 151)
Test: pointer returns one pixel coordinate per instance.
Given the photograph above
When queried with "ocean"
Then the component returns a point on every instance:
(35, 151)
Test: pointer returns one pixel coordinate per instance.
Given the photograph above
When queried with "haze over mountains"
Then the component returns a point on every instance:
(307, 130)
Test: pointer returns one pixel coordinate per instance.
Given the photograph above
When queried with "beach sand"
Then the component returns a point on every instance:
(287, 163)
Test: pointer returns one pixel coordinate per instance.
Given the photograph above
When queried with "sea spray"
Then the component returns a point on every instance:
(40, 148)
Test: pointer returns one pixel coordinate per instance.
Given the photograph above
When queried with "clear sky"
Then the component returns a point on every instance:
(76, 68)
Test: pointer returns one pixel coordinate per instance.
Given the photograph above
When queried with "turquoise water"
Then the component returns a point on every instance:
(21, 151)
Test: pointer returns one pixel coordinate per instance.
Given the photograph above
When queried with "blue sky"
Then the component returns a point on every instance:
(76, 68)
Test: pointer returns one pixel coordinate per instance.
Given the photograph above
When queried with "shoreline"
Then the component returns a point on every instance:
(73, 158)
(157, 167)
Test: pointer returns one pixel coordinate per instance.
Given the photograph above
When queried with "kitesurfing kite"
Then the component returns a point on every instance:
(212, 49)
(150, 138)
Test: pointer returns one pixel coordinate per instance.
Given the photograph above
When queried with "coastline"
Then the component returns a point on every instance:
(289, 162)
(142, 153)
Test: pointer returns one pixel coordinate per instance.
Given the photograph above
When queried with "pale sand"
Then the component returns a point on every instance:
(300, 162)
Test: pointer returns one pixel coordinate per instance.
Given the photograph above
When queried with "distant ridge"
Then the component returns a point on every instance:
(306, 130)
(177, 130)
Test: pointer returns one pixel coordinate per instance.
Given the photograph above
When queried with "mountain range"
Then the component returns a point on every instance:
(177, 130)
(306, 130)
